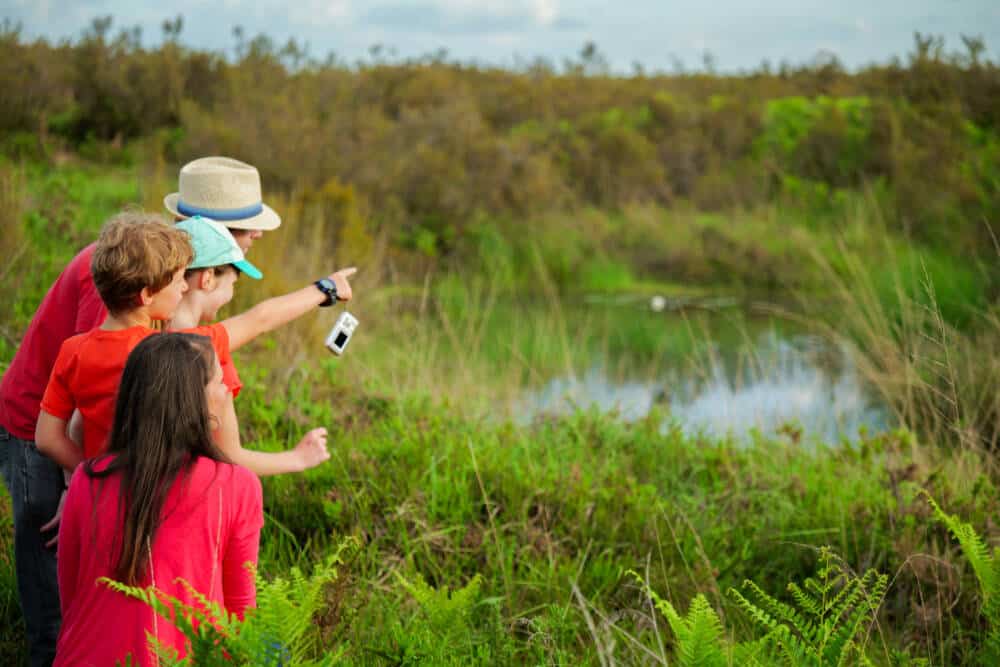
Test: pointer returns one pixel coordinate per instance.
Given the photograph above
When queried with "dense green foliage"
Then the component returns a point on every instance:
(484, 207)
(271, 634)
(829, 623)
(420, 154)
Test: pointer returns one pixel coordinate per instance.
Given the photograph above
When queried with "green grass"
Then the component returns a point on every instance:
(574, 503)
(482, 542)
(12, 647)
(63, 209)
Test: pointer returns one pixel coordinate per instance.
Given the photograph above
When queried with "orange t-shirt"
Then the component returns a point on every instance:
(89, 368)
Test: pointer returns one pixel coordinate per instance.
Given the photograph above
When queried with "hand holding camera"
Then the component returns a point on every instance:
(337, 288)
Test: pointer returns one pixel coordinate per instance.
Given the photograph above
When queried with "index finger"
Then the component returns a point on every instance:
(350, 271)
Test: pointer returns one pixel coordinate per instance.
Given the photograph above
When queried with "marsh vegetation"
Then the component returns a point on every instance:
(687, 237)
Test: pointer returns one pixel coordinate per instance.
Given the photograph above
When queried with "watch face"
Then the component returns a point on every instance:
(329, 288)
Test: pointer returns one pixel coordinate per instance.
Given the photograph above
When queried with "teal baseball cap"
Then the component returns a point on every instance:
(214, 246)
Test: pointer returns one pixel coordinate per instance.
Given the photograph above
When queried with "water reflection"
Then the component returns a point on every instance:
(771, 384)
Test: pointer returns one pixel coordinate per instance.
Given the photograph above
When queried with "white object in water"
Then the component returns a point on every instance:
(658, 303)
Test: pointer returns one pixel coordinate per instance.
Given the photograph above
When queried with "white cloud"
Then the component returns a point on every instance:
(545, 11)
(542, 12)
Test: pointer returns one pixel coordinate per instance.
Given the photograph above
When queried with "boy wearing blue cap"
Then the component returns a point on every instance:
(218, 262)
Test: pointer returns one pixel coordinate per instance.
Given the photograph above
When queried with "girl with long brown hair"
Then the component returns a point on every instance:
(160, 508)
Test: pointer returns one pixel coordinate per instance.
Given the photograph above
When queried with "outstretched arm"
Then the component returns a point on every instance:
(272, 313)
(308, 453)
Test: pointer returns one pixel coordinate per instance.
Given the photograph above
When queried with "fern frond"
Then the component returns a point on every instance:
(792, 648)
(983, 562)
(677, 624)
(857, 610)
(756, 614)
(749, 654)
(700, 637)
(807, 602)
(271, 634)
(703, 647)
(783, 612)
(448, 612)
(834, 606)
(986, 565)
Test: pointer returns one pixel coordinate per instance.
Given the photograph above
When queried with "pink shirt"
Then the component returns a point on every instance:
(209, 530)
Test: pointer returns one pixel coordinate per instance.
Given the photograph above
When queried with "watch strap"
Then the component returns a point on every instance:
(329, 288)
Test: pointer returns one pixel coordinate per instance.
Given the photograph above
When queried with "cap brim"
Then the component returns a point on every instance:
(249, 269)
(265, 221)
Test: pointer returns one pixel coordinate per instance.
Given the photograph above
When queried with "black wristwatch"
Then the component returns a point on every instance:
(329, 288)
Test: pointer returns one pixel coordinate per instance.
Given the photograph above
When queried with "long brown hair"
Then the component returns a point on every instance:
(161, 426)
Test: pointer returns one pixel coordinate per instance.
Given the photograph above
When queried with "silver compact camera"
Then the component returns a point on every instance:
(341, 333)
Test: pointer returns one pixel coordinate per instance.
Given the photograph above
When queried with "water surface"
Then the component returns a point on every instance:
(764, 378)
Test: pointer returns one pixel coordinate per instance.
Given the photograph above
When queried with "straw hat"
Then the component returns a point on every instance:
(222, 189)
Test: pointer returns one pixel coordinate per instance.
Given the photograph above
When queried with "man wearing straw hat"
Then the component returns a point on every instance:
(227, 191)
(219, 188)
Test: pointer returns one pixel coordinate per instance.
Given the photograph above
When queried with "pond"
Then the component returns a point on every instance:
(741, 374)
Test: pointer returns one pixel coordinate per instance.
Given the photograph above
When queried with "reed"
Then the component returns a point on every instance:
(939, 378)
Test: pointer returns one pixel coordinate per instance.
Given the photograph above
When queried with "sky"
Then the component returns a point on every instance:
(658, 34)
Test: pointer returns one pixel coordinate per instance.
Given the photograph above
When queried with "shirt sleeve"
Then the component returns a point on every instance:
(220, 341)
(58, 400)
(68, 556)
(238, 585)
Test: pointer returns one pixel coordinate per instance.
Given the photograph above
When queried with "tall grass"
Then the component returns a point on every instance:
(12, 647)
(941, 379)
(12, 245)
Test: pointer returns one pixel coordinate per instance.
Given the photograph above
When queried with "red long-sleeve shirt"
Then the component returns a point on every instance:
(210, 528)
(71, 306)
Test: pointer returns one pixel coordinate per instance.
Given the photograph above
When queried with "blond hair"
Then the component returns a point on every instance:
(137, 250)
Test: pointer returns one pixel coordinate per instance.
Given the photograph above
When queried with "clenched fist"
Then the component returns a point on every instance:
(311, 449)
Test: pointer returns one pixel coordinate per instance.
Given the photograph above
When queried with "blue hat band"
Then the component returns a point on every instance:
(221, 214)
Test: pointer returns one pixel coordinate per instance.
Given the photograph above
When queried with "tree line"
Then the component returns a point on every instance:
(428, 144)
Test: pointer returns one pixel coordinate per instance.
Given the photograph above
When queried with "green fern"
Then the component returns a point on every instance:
(273, 633)
(447, 611)
(451, 627)
(986, 565)
(830, 613)
(700, 636)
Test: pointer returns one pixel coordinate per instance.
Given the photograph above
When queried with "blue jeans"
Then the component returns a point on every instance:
(35, 484)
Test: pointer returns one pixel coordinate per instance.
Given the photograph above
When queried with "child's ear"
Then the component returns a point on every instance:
(146, 296)
(206, 280)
